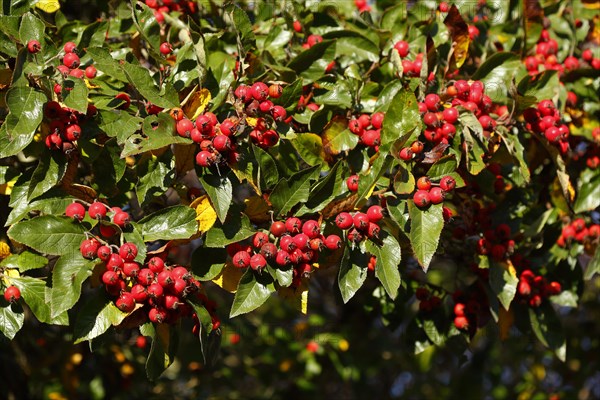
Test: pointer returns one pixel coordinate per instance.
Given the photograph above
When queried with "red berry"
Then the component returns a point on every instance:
(361, 221)
(258, 262)
(268, 250)
(311, 229)
(377, 120)
(70, 47)
(97, 210)
(293, 225)
(375, 213)
(406, 154)
(344, 220)
(205, 158)
(121, 219)
(124, 97)
(184, 127)
(165, 48)
(432, 101)
(282, 258)
(278, 113)
(90, 72)
(373, 230)
(275, 91)
(155, 290)
(241, 259)
(89, 248)
(242, 92)
(459, 309)
(145, 277)
(297, 26)
(259, 91)
(355, 236)
(110, 277)
(156, 264)
(73, 132)
(402, 47)
(259, 239)
(128, 251)
(125, 302)
(157, 315)
(104, 253)
(75, 211)
(301, 241)
(33, 46)
(352, 183)
(287, 244)
(424, 183)
(165, 279)
(421, 198)
(371, 138)
(278, 228)
(12, 294)
(450, 115)
(448, 183)
(71, 60)
(461, 322)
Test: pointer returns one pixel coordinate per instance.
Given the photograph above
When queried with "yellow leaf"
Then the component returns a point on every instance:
(90, 85)
(257, 209)
(297, 297)
(205, 213)
(196, 103)
(49, 6)
(229, 278)
(251, 121)
(4, 250)
(6, 188)
(459, 32)
(11, 273)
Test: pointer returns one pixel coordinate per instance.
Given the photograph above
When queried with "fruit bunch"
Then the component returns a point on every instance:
(368, 129)
(71, 66)
(545, 119)
(427, 301)
(359, 225)
(64, 126)
(533, 289)
(161, 7)
(311, 40)
(578, 231)
(427, 193)
(496, 243)
(292, 243)
(470, 308)
(98, 210)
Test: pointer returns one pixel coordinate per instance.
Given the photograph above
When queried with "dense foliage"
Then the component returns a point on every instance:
(419, 173)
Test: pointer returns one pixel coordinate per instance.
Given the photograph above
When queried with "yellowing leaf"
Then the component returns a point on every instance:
(90, 85)
(49, 6)
(6, 188)
(251, 121)
(459, 32)
(229, 278)
(257, 209)
(196, 103)
(205, 213)
(296, 297)
(4, 250)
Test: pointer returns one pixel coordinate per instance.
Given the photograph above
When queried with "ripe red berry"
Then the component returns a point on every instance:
(450, 115)
(424, 183)
(75, 211)
(104, 253)
(157, 315)
(406, 154)
(125, 302)
(121, 219)
(259, 239)
(278, 228)
(89, 248)
(70, 47)
(352, 183)
(282, 258)
(12, 294)
(205, 158)
(301, 241)
(156, 264)
(139, 293)
(355, 236)
(128, 251)
(293, 225)
(461, 322)
(73, 132)
(459, 309)
(344, 220)
(421, 198)
(444, 7)
(258, 262)
(260, 91)
(90, 72)
(297, 26)
(402, 47)
(124, 97)
(184, 127)
(242, 92)
(266, 106)
(110, 277)
(377, 120)
(241, 259)
(375, 213)
(97, 210)
(165, 48)
(432, 101)
(287, 244)
(268, 250)
(373, 230)
(311, 229)
(431, 119)
(279, 114)
(33, 46)
(275, 91)
(371, 138)
(165, 279)
(71, 60)
(361, 221)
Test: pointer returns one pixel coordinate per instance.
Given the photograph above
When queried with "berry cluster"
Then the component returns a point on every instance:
(410, 68)
(98, 210)
(161, 7)
(292, 243)
(360, 225)
(311, 40)
(545, 119)
(496, 243)
(368, 129)
(71, 66)
(532, 288)
(578, 231)
(427, 194)
(470, 308)
(64, 126)
(427, 301)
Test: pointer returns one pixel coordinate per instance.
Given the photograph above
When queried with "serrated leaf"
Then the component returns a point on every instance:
(352, 274)
(162, 351)
(236, 228)
(243, 26)
(176, 222)
(104, 61)
(24, 261)
(425, 229)
(156, 180)
(548, 329)
(95, 317)
(49, 234)
(26, 113)
(254, 289)
(31, 28)
(75, 94)
(69, 273)
(220, 191)
(140, 78)
(593, 266)
(388, 254)
(402, 116)
(292, 191)
(336, 137)
(50, 170)
(588, 195)
(33, 292)
(503, 281)
(119, 124)
(325, 190)
(312, 63)
(367, 182)
(209, 339)
(159, 132)
(11, 320)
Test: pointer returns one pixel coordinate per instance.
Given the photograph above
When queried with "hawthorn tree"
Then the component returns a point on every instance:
(436, 155)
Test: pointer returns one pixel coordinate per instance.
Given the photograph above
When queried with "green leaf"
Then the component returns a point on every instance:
(148, 27)
(243, 26)
(104, 61)
(517, 150)
(588, 195)
(474, 148)
(69, 273)
(254, 289)
(388, 254)
(158, 132)
(336, 137)
(425, 229)
(119, 124)
(433, 333)
(26, 113)
(311, 63)
(176, 222)
(593, 266)
(51, 202)
(49, 234)
(24, 262)
(352, 274)
(542, 87)
(32, 28)
(162, 351)
(503, 283)
(95, 317)
(207, 263)
(50, 170)
(325, 190)
(404, 181)
(310, 148)
(268, 176)
(220, 191)
(548, 329)
(296, 189)
(11, 320)
(367, 182)
(140, 78)
(353, 45)
(402, 116)
(289, 96)
(498, 73)
(156, 180)
(209, 339)
(236, 228)
(75, 94)
(33, 292)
